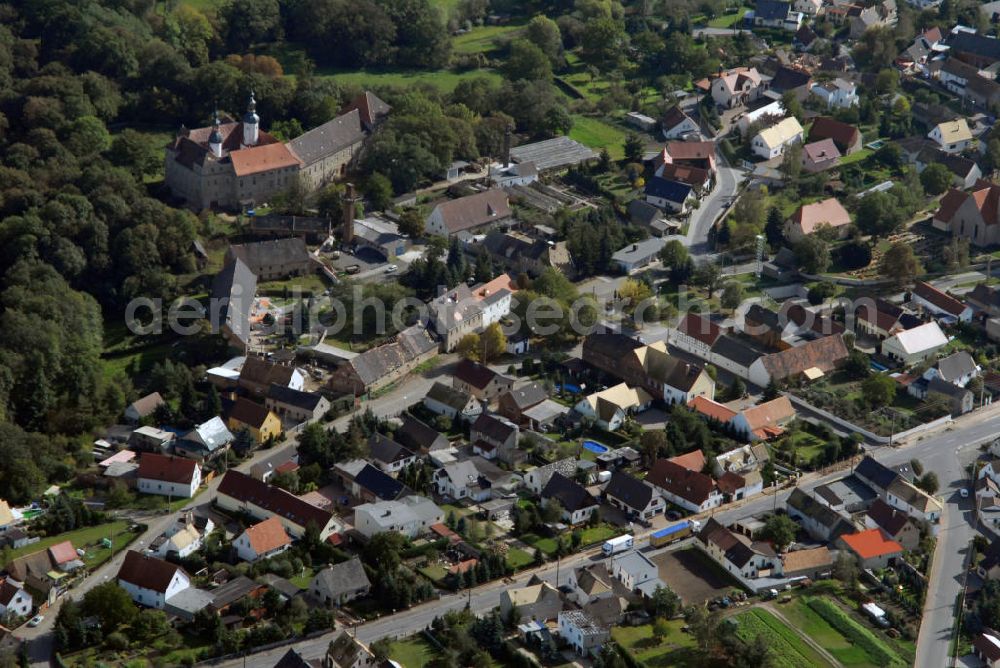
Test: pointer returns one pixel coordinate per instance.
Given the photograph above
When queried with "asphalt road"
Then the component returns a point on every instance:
(947, 452)
(727, 184)
(40, 639)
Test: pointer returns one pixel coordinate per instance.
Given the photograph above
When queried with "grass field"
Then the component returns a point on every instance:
(814, 626)
(672, 650)
(727, 20)
(856, 157)
(482, 39)
(788, 648)
(597, 134)
(412, 652)
(519, 558)
(434, 572)
(599, 534)
(546, 545)
(83, 539)
(303, 579)
(445, 80)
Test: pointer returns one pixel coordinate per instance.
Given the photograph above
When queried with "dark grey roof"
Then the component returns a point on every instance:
(338, 579)
(233, 591)
(449, 396)
(234, 289)
(789, 78)
(772, 10)
(380, 484)
(877, 474)
(374, 364)
(528, 395)
(416, 435)
(329, 138)
(978, 45)
(822, 514)
(641, 212)
(733, 349)
(940, 386)
(630, 491)
(757, 314)
(277, 252)
(956, 365)
(384, 449)
(986, 295)
(672, 191)
(286, 395)
(570, 494)
(494, 427)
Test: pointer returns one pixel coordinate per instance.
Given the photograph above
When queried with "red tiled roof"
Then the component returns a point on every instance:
(825, 127)
(943, 301)
(699, 328)
(692, 461)
(988, 645)
(267, 535)
(730, 482)
(690, 485)
(769, 414)
(712, 409)
(258, 159)
(63, 553)
(690, 150)
(871, 543)
(167, 468)
(245, 489)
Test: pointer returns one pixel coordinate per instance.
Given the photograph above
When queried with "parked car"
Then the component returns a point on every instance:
(391, 268)
(36, 620)
(964, 492)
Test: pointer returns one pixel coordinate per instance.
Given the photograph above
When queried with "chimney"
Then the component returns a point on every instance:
(506, 147)
(635, 247)
(347, 232)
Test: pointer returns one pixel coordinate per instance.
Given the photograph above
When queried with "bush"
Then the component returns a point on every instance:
(117, 641)
(854, 632)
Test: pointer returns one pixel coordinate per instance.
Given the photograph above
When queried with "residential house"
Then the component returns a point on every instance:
(388, 455)
(872, 548)
(913, 346)
(582, 632)
(940, 303)
(520, 254)
(763, 112)
(737, 87)
(907, 497)
(958, 369)
(239, 493)
(206, 441)
(262, 540)
(654, 220)
(969, 83)
(256, 420)
(837, 94)
(694, 334)
(634, 570)
(820, 156)
(812, 563)
(185, 537)
(960, 400)
(452, 402)
(971, 215)
(513, 403)
(534, 602)
(776, 14)
(698, 178)
(808, 7)
(495, 437)
(692, 490)
(699, 154)
(368, 483)
(771, 142)
(495, 298)
(346, 651)
(731, 354)
(791, 80)
(812, 359)
(166, 475)
(537, 478)
(472, 213)
(296, 406)
(419, 437)
(677, 125)
(15, 600)
(875, 474)
(151, 439)
(43, 571)
(746, 458)
(638, 255)
(846, 137)
(635, 497)
(341, 583)
(150, 581)
(882, 319)
(818, 519)
(673, 196)
(576, 502)
(588, 584)
(380, 366)
(143, 408)
(258, 374)
(952, 136)
(985, 298)
(896, 524)
(828, 214)
(973, 48)
(411, 516)
(986, 647)
(480, 381)
(609, 408)
(462, 480)
(737, 554)
(273, 259)
(764, 421)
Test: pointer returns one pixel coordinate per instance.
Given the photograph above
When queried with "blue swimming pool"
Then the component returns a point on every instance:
(596, 447)
(569, 387)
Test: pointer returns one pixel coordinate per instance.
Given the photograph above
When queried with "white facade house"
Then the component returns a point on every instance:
(411, 516)
(633, 569)
(774, 109)
(837, 94)
(952, 136)
(737, 87)
(150, 581)
(15, 601)
(183, 543)
(585, 634)
(262, 540)
(166, 475)
(772, 142)
(913, 501)
(915, 345)
(461, 480)
(808, 7)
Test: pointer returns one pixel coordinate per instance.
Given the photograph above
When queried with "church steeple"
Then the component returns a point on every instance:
(215, 139)
(251, 123)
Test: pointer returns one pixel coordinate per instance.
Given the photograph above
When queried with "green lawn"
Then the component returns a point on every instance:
(303, 579)
(856, 157)
(789, 649)
(85, 539)
(806, 445)
(434, 572)
(412, 652)
(482, 39)
(517, 558)
(674, 649)
(814, 626)
(599, 534)
(546, 545)
(727, 20)
(445, 80)
(313, 283)
(597, 134)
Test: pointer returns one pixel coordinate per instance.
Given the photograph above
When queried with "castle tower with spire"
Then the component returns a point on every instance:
(251, 123)
(215, 139)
